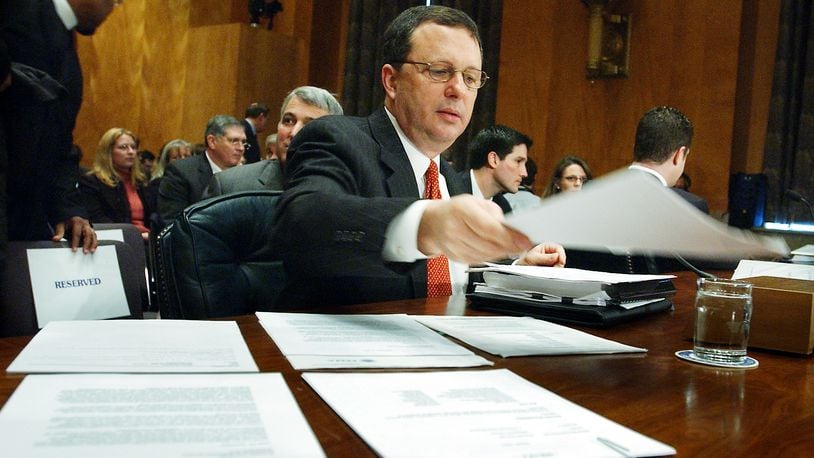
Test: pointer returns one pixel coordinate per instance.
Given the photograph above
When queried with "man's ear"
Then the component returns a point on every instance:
(210, 141)
(678, 155)
(389, 74)
(492, 159)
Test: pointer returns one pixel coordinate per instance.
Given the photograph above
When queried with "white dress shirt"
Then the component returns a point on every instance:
(401, 238)
(65, 13)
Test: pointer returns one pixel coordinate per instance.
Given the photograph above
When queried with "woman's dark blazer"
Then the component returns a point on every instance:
(107, 204)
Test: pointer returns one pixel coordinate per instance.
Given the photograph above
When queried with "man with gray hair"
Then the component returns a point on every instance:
(185, 180)
(301, 106)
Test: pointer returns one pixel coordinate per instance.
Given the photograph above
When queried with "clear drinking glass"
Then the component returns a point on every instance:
(723, 311)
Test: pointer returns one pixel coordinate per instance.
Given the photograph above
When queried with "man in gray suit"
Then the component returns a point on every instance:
(184, 181)
(301, 106)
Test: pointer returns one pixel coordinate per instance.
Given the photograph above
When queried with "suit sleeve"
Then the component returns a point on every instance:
(173, 194)
(332, 218)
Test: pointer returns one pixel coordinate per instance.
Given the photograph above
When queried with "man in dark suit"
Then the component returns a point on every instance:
(38, 108)
(184, 181)
(663, 138)
(256, 121)
(301, 106)
(351, 226)
(497, 159)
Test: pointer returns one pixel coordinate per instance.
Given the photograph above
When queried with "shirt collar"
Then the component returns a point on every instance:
(215, 168)
(475, 188)
(650, 171)
(65, 13)
(418, 160)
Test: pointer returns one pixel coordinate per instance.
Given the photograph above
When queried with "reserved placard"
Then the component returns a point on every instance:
(71, 285)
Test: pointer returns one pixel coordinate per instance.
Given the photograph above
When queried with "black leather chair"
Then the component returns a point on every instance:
(17, 313)
(216, 259)
(132, 236)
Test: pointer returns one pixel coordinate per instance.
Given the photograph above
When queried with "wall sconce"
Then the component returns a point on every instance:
(608, 41)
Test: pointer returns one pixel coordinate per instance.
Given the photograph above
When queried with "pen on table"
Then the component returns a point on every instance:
(620, 449)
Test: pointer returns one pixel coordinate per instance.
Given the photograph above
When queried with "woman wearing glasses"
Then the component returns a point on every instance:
(569, 175)
(113, 191)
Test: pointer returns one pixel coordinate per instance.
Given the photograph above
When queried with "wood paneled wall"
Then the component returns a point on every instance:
(683, 53)
(161, 69)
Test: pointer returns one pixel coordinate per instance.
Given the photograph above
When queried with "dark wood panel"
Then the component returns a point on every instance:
(683, 53)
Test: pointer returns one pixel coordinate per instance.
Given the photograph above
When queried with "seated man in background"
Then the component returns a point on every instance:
(184, 181)
(352, 226)
(301, 106)
(497, 157)
(525, 196)
(256, 120)
(662, 145)
(271, 148)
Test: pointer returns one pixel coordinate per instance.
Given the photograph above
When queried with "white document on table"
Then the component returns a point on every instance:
(522, 336)
(136, 346)
(472, 413)
(71, 285)
(630, 212)
(319, 341)
(115, 415)
(747, 268)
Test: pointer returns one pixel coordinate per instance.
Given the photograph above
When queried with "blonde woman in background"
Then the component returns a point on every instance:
(173, 150)
(113, 191)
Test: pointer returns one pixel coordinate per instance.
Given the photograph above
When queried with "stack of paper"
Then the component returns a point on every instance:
(803, 255)
(317, 341)
(584, 287)
(472, 413)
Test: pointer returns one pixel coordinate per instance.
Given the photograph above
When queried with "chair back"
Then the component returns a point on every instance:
(132, 236)
(17, 313)
(216, 259)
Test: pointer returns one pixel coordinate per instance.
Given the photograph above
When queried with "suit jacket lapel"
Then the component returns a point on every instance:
(398, 172)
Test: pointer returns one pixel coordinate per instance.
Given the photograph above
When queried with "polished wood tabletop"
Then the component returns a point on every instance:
(699, 410)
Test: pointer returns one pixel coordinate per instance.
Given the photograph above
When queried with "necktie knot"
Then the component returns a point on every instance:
(432, 189)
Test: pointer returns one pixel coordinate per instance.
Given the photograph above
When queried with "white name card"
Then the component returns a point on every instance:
(74, 286)
(110, 234)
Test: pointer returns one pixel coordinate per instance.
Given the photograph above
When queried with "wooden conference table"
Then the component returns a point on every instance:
(699, 410)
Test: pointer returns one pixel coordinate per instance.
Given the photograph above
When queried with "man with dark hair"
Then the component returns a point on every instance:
(497, 161)
(352, 226)
(663, 139)
(184, 181)
(256, 120)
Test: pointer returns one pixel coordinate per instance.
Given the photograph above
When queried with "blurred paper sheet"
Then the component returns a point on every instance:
(630, 212)
(521, 336)
(748, 269)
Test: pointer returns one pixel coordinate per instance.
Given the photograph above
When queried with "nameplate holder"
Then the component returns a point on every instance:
(71, 285)
(782, 314)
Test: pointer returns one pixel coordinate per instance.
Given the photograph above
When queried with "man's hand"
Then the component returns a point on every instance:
(468, 230)
(5, 84)
(79, 229)
(544, 254)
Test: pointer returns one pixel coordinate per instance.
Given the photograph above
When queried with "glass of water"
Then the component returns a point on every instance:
(723, 311)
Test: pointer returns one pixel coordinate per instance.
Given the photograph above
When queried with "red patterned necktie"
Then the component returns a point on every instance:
(438, 283)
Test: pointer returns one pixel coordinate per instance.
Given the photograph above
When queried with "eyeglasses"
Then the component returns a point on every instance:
(574, 179)
(441, 73)
(237, 142)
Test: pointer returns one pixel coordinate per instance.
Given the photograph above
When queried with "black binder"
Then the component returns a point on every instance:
(566, 312)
